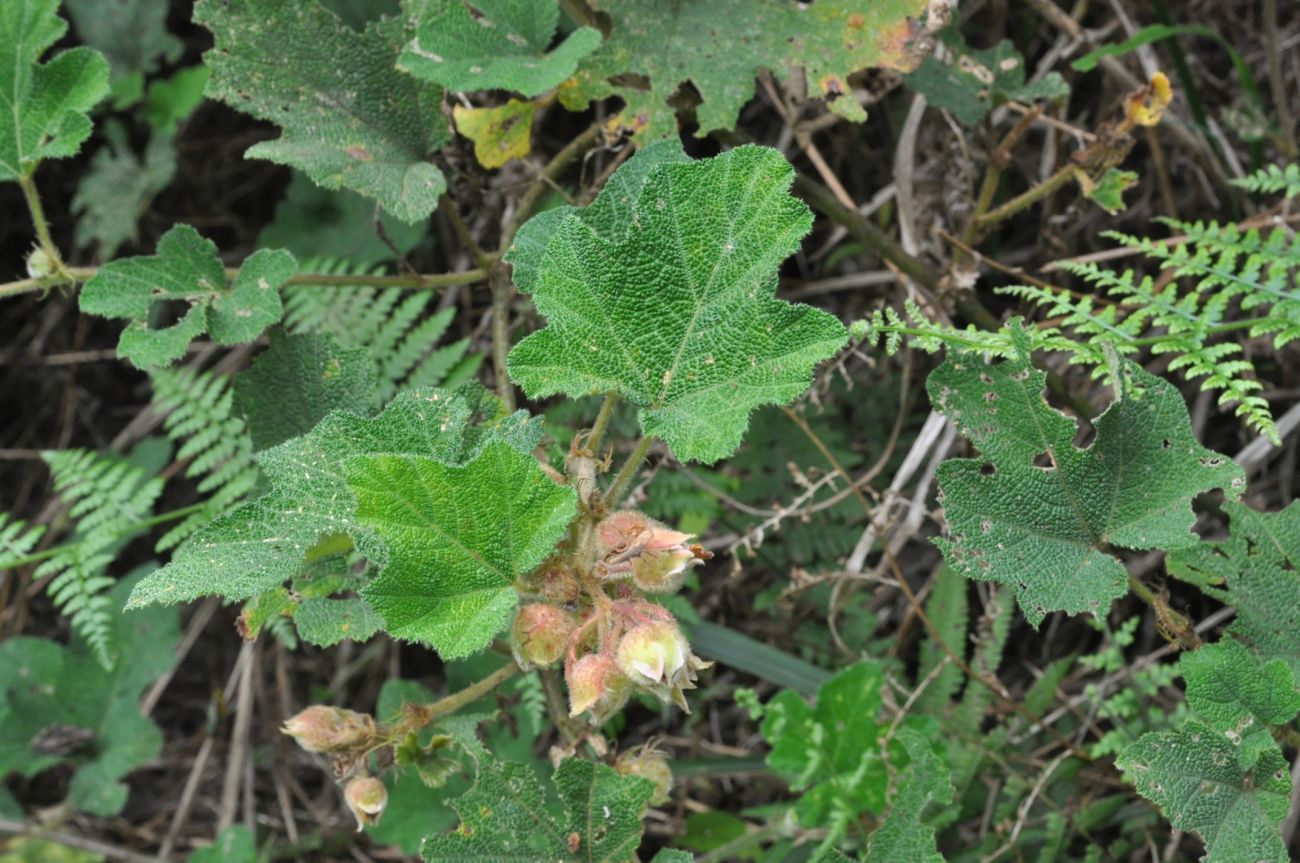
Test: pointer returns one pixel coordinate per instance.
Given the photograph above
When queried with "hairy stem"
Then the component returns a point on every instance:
(601, 424)
(450, 704)
(57, 269)
(1026, 199)
(501, 288)
(623, 478)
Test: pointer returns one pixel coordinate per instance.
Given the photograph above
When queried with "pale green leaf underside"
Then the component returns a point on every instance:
(657, 46)
(263, 543)
(187, 269)
(505, 816)
(1047, 529)
(457, 539)
(43, 105)
(501, 48)
(350, 119)
(325, 622)
(662, 291)
(1259, 566)
(1194, 777)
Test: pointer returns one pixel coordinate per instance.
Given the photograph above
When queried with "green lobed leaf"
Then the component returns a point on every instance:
(1108, 191)
(1047, 527)
(45, 117)
(119, 186)
(502, 47)
(235, 844)
(59, 705)
(263, 543)
(187, 270)
(1195, 778)
(349, 118)
(657, 46)
(1238, 694)
(1259, 568)
(828, 751)
(970, 83)
(904, 835)
(171, 101)
(458, 538)
(131, 34)
(662, 291)
(505, 816)
(297, 381)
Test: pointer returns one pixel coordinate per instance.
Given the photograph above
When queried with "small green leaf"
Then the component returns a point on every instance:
(503, 47)
(172, 100)
(1040, 514)
(132, 34)
(904, 835)
(970, 83)
(297, 381)
(505, 816)
(45, 117)
(326, 622)
(1238, 694)
(1108, 192)
(235, 844)
(187, 269)
(119, 186)
(1259, 566)
(458, 538)
(263, 543)
(350, 119)
(1195, 778)
(695, 338)
(655, 47)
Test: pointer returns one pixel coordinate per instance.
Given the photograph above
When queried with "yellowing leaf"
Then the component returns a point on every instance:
(499, 134)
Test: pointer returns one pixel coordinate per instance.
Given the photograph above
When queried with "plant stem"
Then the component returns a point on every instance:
(549, 175)
(501, 287)
(601, 424)
(156, 520)
(468, 695)
(1026, 199)
(28, 184)
(75, 276)
(623, 478)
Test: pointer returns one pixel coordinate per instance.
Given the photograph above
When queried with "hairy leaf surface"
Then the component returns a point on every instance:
(667, 43)
(187, 270)
(904, 835)
(350, 119)
(458, 537)
(503, 47)
(1040, 514)
(263, 543)
(662, 291)
(44, 115)
(1237, 693)
(505, 816)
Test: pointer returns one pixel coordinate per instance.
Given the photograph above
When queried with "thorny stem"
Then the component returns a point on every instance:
(76, 276)
(623, 478)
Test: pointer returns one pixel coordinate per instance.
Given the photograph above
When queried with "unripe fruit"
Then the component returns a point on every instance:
(596, 685)
(648, 763)
(557, 584)
(366, 796)
(662, 571)
(652, 654)
(540, 635)
(321, 728)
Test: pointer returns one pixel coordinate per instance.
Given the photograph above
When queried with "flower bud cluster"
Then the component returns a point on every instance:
(613, 641)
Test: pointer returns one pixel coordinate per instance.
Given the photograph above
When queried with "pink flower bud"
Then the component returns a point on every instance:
(366, 796)
(321, 728)
(557, 584)
(654, 555)
(648, 763)
(540, 634)
(596, 685)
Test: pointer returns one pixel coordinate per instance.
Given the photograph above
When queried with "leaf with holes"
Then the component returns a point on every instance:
(506, 816)
(47, 102)
(187, 271)
(1195, 778)
(458, 538)
(350, 119)
(308, 507)
(662, 291)
(1258, 568)
(1043, 515)
(502, 47)
(657, 46)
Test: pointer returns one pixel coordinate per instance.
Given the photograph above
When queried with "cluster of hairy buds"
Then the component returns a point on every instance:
(346, 736)
(612, 639)
(648, 763)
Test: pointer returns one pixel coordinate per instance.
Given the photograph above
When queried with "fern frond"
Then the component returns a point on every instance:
(1273, 179)
(17, 540)
(109, 498)
(398, 328)
(203, 423)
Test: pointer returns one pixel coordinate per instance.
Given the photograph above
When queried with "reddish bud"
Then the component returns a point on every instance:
(654, 555)
(597, 686)
(540, 634)
(648, 763)
(366, 796)
(321, 728)
(559, 585)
